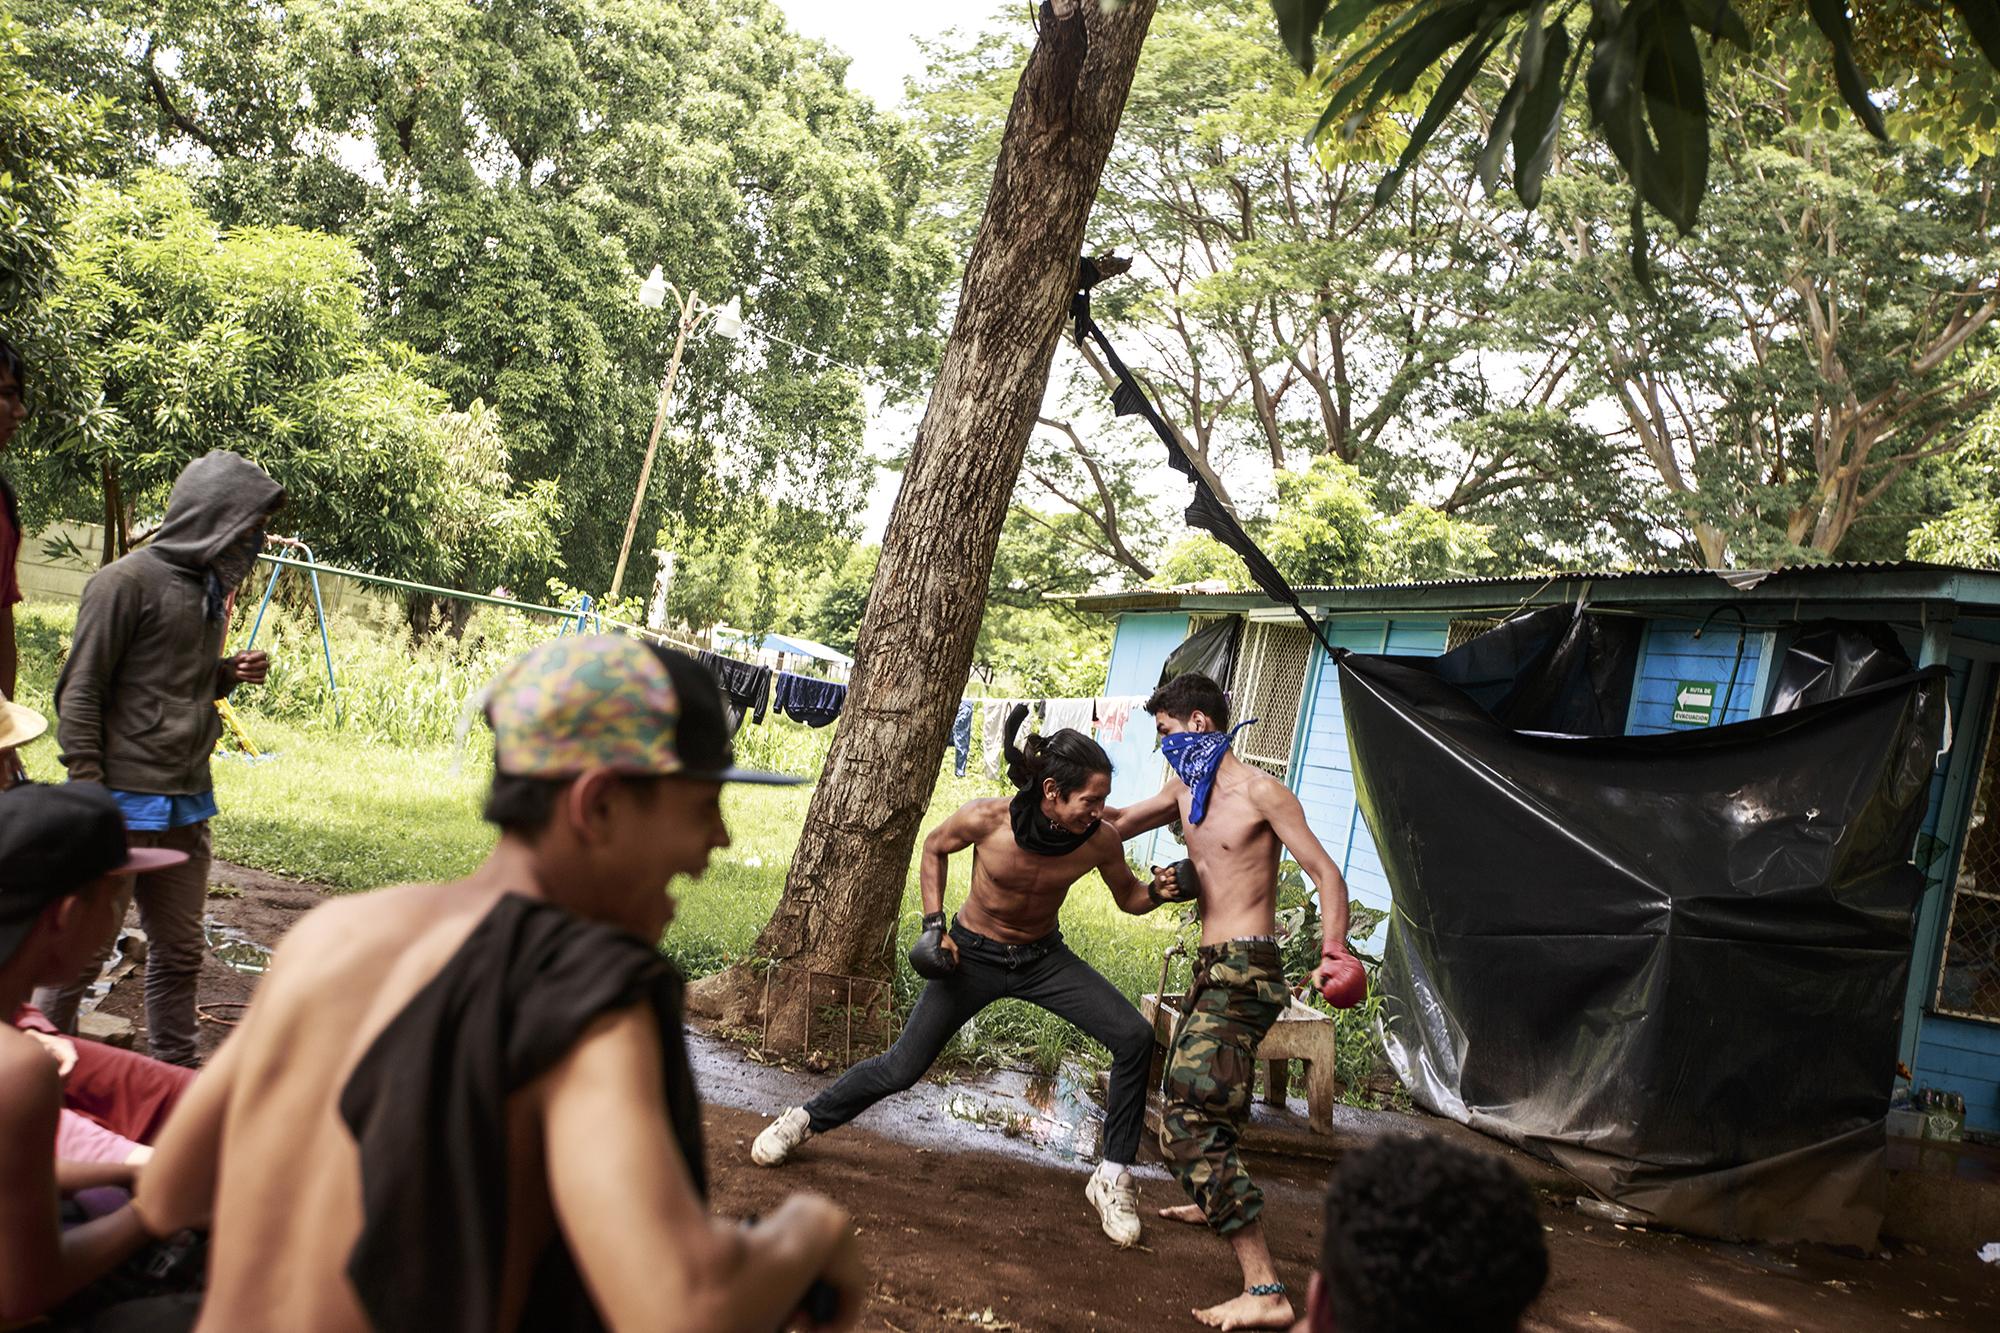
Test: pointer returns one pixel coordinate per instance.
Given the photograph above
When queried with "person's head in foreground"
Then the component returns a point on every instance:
(1191, 702)
(1068, 773)
(609, 757)
(1424, 1235)
(62, 854)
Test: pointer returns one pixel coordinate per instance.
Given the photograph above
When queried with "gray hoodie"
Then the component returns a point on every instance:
(135, 702)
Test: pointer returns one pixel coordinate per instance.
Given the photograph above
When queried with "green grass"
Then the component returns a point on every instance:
(388, 799)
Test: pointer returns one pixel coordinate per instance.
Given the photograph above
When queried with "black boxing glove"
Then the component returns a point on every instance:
(928, 956)
(1187, 884)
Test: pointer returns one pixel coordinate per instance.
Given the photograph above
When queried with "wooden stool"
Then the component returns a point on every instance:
(1301, 1033)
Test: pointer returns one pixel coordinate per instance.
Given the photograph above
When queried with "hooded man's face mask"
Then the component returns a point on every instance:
(230, 567)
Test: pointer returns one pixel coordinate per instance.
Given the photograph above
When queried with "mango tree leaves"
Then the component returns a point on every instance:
(1646, 83)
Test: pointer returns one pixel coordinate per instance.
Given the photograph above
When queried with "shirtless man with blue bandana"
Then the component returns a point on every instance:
(1236, 820)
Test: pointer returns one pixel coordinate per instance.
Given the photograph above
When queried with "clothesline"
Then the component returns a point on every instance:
(1105, 716)
(751, 691)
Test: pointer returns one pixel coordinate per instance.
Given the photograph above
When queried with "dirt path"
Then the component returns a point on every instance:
(242, 904)
(952, 1234)
(959, 1216)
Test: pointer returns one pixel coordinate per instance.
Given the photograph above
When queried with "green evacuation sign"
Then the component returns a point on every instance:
(1694, 702)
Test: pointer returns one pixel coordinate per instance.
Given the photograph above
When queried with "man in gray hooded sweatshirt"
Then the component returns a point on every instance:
(136, 712)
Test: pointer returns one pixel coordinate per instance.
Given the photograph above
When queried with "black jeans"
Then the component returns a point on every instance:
(1044, 973)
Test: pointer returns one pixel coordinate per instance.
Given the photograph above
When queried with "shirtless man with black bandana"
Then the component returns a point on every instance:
(1028, 853)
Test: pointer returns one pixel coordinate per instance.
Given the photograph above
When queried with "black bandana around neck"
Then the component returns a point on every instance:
(1035, 832)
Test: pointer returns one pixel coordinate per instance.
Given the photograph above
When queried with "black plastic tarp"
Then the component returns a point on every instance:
(1830, 658)
(1673, 965)
(1560, 669)
(1210, 650)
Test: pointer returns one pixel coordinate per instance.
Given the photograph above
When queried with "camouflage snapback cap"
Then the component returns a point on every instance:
(606, 701)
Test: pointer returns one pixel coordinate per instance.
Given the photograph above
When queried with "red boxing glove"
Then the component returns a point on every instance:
(1346, 982)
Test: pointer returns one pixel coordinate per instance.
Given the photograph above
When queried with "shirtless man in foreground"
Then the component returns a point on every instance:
(467, 1105)
(1028, 853)
(1236, 819)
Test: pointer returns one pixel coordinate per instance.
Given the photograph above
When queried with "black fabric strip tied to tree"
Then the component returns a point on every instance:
(1206, 512)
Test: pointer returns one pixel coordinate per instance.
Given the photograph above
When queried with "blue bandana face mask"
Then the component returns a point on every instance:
(1194, 756)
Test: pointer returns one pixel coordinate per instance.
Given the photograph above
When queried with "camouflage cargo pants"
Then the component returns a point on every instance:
(1237, 994)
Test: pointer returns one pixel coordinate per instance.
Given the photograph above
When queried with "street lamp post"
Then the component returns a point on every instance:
(727, 320)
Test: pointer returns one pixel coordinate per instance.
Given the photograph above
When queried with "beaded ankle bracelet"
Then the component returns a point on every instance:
(1267, 1289)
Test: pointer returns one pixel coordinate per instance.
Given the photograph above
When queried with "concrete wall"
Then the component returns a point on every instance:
(46, 578)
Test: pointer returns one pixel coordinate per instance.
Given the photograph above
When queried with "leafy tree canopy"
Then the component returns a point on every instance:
(507, 170)
(48, 143)
(1327, 528)
(168, 336)
(1645, 74)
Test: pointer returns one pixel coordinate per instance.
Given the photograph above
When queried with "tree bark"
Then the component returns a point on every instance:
(845, 889)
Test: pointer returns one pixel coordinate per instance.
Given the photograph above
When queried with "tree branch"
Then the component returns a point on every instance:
(157, 86)
(1107, 523)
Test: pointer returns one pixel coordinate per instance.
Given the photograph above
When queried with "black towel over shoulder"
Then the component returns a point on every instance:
(427, 1104)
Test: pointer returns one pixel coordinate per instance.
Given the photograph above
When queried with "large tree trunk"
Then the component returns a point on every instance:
(842, 897)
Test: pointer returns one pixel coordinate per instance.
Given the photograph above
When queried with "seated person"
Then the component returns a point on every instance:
(114, 1102)
(62, 853)
(1422, 1235)
(468, 1105)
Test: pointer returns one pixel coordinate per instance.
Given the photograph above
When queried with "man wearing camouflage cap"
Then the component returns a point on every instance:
(468, 1106)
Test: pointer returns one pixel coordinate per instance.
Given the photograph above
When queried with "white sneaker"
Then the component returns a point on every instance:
(781, 1136)
(1117, 1204)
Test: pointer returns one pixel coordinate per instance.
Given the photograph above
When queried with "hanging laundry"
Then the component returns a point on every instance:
(746, 689)
(1113, 713)
(1074, 714)
(961, 735)
(991, 727)
(813, 702)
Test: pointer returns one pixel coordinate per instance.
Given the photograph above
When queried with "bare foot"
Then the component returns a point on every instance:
(1248, 1311)
(1187, 1213)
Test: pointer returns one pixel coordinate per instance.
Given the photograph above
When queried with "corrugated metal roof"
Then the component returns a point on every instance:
(1614, 575)
(1914, 579)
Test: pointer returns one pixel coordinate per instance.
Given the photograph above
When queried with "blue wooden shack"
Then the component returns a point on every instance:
(1708, 656)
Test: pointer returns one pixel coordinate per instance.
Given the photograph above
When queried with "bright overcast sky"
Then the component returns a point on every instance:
(881, 35)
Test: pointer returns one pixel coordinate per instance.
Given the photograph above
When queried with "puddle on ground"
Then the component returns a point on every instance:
(235, 949)
(1059, 1114)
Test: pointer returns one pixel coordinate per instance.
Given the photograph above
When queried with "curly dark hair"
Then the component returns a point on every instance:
(1184, 696)
(1422, 1234)
(1069, 756)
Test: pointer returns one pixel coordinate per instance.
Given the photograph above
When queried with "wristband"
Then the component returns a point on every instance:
(934, 921)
